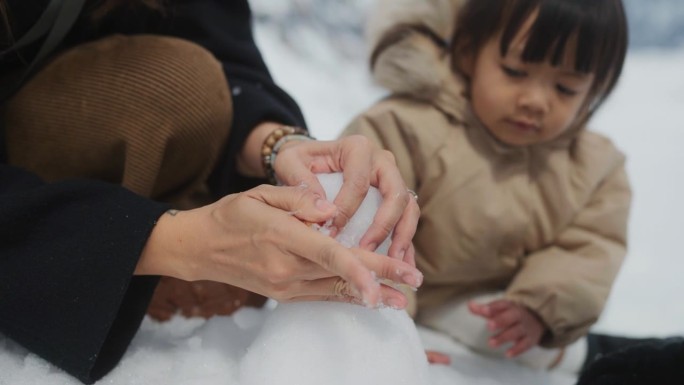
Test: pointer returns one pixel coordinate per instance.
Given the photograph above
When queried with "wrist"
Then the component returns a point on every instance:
(160, 256)
(249, 161)
(275, 142)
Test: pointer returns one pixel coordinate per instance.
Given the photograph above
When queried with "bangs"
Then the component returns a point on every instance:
(592, 32)
(595, 31)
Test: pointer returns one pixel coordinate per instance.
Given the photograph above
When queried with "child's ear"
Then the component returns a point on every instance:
(467, 64)
(463, 59)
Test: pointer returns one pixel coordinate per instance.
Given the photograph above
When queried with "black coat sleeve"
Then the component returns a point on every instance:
(225, 29)
(68, 250)
(67, 255)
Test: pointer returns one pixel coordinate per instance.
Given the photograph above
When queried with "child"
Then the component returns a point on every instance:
(524, 210)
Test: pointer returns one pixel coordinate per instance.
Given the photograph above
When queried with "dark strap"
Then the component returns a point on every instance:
(55, 22)
(40, 29)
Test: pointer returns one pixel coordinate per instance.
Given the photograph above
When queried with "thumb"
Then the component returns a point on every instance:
(300, 201)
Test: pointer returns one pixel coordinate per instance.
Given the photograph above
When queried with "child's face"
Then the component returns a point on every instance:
(523, 103)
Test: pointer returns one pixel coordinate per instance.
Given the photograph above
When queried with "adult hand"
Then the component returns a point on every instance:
(363, 164)
(258, 240)
(510, 322)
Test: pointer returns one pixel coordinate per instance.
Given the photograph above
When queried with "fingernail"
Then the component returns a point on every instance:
(401, 254)
(395, 303)
(324, 205)
(333, 231)
(372, 246)
(413, 279)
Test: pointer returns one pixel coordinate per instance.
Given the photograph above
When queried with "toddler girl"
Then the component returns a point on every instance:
(524, 210)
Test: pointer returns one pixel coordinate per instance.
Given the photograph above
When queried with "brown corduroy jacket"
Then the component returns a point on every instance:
(545, 223)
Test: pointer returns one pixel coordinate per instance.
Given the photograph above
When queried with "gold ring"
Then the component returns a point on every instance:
(413, 193)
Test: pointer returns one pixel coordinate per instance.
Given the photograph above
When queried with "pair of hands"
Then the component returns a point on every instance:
(509, 322)
(259, 240)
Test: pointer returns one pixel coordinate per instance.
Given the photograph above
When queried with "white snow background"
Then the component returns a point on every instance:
(328, 78)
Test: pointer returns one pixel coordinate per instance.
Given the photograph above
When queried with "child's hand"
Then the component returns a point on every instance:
(511, 323)
(434, 357)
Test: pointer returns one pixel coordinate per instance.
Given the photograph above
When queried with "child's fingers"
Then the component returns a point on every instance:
(499, 305)
(511, 334)
(520, 347)
(434, 357)
(478, 309)
(504, 319)
(490, 309)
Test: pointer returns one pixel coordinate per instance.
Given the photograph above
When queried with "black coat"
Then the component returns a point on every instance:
(651, 363)
(68, 250)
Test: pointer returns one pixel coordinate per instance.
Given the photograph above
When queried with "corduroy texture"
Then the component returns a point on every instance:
(148, 112)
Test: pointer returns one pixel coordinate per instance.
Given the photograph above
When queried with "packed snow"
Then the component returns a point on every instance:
(312, 343)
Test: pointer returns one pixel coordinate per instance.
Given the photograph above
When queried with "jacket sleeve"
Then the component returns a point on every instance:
(225, 29)
(584, 259)
(67, 255)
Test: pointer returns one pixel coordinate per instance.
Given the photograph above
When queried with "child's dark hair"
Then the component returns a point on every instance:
(598, 27)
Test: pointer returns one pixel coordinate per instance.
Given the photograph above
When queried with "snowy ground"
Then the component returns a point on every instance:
(644, 117)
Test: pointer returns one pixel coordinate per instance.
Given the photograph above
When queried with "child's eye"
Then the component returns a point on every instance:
(513, 72)
(565, 90)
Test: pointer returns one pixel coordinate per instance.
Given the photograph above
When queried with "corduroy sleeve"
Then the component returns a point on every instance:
(67, 255)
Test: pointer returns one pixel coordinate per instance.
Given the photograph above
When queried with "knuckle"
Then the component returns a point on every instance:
(386, 227)
(388, 156)
(360, 183)
(279, 292)
(326, 257)
(358, 141)
(279, 276)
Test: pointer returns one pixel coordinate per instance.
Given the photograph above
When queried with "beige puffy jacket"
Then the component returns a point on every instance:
(546, 223)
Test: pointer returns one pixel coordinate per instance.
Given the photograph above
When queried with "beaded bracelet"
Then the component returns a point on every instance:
(272, 145)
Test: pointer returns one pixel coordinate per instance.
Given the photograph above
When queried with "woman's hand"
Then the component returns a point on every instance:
(363, 164)
(511, 322)
(259, 240)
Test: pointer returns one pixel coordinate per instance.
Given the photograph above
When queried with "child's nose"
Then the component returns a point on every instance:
(534, 98)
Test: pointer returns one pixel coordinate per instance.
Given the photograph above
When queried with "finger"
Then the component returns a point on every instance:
(356, 182)
(302, 202)
(511, 334)
(520, 347)
(395, 202)
(485, 310)
(391, 269)
(499, 305)
(478, 309)
(359, 267)
(504, 319)
(410, 256)
(434, 357)
(404, 230)
(490, 309)
(299, 161)
(337, 259)
(338, 290)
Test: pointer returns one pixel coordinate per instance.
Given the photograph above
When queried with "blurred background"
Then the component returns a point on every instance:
(653, 23)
